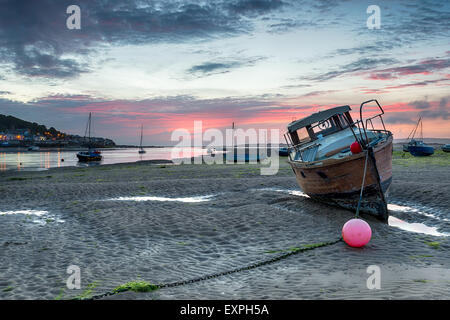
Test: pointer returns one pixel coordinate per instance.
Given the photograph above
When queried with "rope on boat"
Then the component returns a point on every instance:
(219, 274)
(362, 185)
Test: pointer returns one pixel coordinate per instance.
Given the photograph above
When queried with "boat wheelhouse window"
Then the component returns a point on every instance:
(313, 131)
(325, 127)
(303, 135)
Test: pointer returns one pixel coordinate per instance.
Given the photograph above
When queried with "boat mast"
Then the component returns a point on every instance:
(232, 137)
(417, 126)
(142, 128)
(421, 131)
(89, 143)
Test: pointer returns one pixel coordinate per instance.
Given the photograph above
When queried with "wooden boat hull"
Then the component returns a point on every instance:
(338, 181)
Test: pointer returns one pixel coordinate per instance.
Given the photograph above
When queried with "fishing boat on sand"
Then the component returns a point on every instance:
(416, 146)
(343, 162)
(141, 149)
(446, 148)
(92, 154)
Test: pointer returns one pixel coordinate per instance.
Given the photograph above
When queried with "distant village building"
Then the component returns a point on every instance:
(20, 137)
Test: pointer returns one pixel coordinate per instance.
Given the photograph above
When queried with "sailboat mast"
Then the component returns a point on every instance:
(415, 129)
(421, 130)
(232, 137)
(142, 128)
(90, 116)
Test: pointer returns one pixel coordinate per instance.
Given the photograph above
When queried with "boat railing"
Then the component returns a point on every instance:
(302, 149)
(365, 126)
(362, 125)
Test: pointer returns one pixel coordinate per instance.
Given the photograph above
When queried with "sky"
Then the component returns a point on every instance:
(260, 64)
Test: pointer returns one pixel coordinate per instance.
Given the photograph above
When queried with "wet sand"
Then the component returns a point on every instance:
(165, 223)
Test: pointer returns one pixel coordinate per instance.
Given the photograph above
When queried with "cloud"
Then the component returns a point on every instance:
(252, 7)
(318, 93)
(439, 110)
(210, 68)
(35, 40)
(424, 67)
(409, 112)
(405, 85)
(362, 64)
(421, 104)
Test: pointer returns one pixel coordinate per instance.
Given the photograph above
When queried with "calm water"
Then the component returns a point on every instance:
(42, 160)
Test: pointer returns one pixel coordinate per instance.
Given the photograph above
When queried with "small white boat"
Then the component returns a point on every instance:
(211, 151)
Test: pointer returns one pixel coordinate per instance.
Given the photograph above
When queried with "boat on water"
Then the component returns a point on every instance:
(242, 154)
(91, 154)
(33, 148)
(334, 157)
(446, 148)
(211, 151)
(416, 146)
(141, 149)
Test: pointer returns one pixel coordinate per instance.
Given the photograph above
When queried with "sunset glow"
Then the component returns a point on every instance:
(259, 64)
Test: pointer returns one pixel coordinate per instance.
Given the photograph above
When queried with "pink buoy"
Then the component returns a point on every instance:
(356, 233)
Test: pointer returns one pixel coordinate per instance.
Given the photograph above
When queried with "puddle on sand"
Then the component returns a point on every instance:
(396, 207)
(152, 198)
(291, 192)
(42, 216)
(415, 227)
(393, 221)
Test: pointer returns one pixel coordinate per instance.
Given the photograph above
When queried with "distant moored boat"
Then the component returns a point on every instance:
(415, 146)
(33, 148)
(446, 148)
(92, 154)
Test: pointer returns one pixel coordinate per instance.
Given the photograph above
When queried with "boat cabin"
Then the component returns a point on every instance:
(326, 134)
(319, 125)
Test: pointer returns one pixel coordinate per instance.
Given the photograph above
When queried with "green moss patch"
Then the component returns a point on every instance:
(421, 280)
(136, 286)
(439, 158)
(433, 244)
(87, 294)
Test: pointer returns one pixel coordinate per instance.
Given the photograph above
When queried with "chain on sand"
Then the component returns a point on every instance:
(216, 275)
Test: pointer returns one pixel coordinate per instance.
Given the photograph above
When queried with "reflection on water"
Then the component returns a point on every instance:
(291, 192)
(42, 217)
(392, 221)
(414, 227)
(151, 198)
(41, 160)
(396, 207)
(26, 212)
